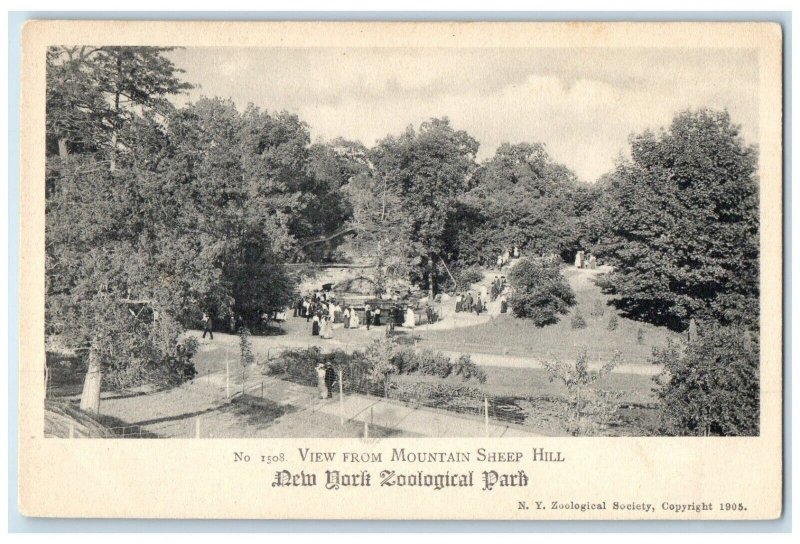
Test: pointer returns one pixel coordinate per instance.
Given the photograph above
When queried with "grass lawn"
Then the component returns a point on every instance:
(527, 397)
(507, 334)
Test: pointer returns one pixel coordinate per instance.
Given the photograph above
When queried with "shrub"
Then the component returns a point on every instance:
(458, 398)
(613, 322)
(710, 385)
(379, 357)
(598, 309)
(578, 322)
(433, 364)
(588, 409)
(539, 292)
(466, 368)
(467, 276)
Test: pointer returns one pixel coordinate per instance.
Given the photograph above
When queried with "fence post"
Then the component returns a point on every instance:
(366, 429)
(227, 375)
(341, 399)
(197, 428)
(486, 414)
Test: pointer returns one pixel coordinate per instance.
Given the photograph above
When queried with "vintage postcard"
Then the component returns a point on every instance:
(513, 271)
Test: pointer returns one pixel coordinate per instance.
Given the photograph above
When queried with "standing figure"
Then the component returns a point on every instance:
(321, 384)
(503, 304)
(411, 318)
(377, 317)
(208, 326)
(478, 305)
(348, 314)
(315, 326)
(367, 316)
(327, 328)
(330, 378)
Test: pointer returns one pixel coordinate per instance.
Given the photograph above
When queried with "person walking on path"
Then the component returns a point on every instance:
(327, 328)
(208, 326)
(321, 385)
(411, 319)
(330, 379)
(367, 315)
(315, 326)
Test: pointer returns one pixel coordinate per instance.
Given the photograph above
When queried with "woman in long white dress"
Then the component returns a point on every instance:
(327, 328)
(354, 323)
(411, 318)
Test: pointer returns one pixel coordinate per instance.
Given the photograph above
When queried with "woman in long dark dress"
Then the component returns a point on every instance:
(330, 378)
(315, 326)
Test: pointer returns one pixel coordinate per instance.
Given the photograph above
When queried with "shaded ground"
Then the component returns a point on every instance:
(510, 351)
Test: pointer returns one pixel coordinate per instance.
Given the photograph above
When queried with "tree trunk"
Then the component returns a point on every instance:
(113, 151)
(90, 398)
(115, 126)
(63, 152)
(430, 275)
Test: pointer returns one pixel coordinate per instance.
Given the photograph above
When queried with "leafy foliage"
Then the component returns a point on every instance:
(520, 198)
(710, 385)
(682, 224)
(578, 321)
(427, 170)
(589, 409)
(539, 292)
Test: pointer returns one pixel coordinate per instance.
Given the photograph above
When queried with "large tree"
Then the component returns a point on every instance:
(710, 384)
(93, 93)
(428, 170)
(683, 224)
(520, 197)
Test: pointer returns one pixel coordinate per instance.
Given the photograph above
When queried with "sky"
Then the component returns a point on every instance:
(581, 103)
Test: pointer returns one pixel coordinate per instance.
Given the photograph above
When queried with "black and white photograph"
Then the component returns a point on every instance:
(413, 271)
(401, 242)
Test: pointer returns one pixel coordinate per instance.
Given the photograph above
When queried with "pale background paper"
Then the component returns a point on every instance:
(198, 478)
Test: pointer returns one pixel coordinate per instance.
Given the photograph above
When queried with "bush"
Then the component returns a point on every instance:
(710, 385)
(539, 292)
(599, 309)
(467, 276)
(466, 368)
(458, 398)
(589, 410)
(613, 322)
(578, 322)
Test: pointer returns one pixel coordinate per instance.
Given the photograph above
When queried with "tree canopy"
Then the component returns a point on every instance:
(682, 224)
(156, 213)
(520, 197)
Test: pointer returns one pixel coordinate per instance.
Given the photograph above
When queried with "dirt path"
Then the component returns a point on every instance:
(269, 347)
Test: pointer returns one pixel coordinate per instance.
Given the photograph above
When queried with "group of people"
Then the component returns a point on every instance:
(326, 377)
(323, 312)
(584, 260)
(466, 302)
(505, 257)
